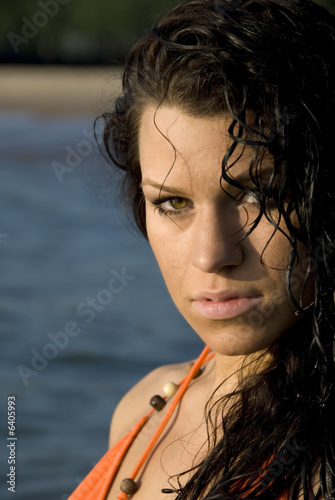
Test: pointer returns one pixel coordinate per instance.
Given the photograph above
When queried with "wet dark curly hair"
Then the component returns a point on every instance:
(273, 60)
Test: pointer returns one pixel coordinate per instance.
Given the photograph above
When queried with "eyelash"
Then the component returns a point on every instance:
(179, 212)
(171, 213)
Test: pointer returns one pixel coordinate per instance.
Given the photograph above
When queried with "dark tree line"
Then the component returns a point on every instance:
(74, 31)
(77, 31)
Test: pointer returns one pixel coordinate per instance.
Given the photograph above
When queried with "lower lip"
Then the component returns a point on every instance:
(226, 309)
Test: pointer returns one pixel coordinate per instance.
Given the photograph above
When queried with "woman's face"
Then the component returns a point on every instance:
(234, 302)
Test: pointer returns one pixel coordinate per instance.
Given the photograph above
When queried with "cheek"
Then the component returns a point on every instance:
(273, 247)
(275, 258)
(171, 251)
(169, 254)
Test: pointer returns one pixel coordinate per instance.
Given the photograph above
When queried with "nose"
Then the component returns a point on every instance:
(214, 244)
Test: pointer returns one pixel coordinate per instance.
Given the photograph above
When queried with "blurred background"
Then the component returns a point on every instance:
(70, 347)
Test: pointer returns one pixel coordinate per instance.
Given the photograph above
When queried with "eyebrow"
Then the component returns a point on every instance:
(245, 177)
(264, 174)
(157, 185)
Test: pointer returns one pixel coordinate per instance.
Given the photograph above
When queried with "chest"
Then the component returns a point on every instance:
(179, 448)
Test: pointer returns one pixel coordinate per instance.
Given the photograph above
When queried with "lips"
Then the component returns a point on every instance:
(222, 306)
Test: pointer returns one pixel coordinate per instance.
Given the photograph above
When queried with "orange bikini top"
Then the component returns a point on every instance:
(97, 483)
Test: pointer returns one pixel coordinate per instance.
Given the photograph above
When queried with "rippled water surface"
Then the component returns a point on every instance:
(70, 349)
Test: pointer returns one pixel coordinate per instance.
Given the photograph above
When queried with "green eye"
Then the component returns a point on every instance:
(178, 203)
(174, 206)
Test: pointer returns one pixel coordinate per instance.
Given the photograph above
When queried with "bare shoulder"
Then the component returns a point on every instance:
(135, 404)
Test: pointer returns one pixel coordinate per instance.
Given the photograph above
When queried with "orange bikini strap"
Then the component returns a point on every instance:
(204, 357)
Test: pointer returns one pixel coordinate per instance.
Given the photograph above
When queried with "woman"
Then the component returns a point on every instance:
(225, 134)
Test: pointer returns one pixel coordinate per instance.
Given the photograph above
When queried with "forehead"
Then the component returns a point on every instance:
(170, 128)
(169, 137)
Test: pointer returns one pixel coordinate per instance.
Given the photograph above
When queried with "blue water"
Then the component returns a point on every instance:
(61, 239)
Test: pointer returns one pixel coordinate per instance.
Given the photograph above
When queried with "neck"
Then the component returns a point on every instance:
(229, 371)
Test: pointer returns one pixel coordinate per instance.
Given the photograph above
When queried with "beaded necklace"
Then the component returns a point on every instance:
(128, 485)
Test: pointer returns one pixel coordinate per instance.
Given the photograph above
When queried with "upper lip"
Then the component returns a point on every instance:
(223, 296)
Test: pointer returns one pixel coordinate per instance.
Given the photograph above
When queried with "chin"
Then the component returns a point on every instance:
(237, 343)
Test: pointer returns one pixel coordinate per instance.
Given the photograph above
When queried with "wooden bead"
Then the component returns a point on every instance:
(157, 402)
(188, 368)
(170, 389)
(128, 486)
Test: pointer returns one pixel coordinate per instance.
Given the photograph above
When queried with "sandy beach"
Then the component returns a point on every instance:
(58, 90)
